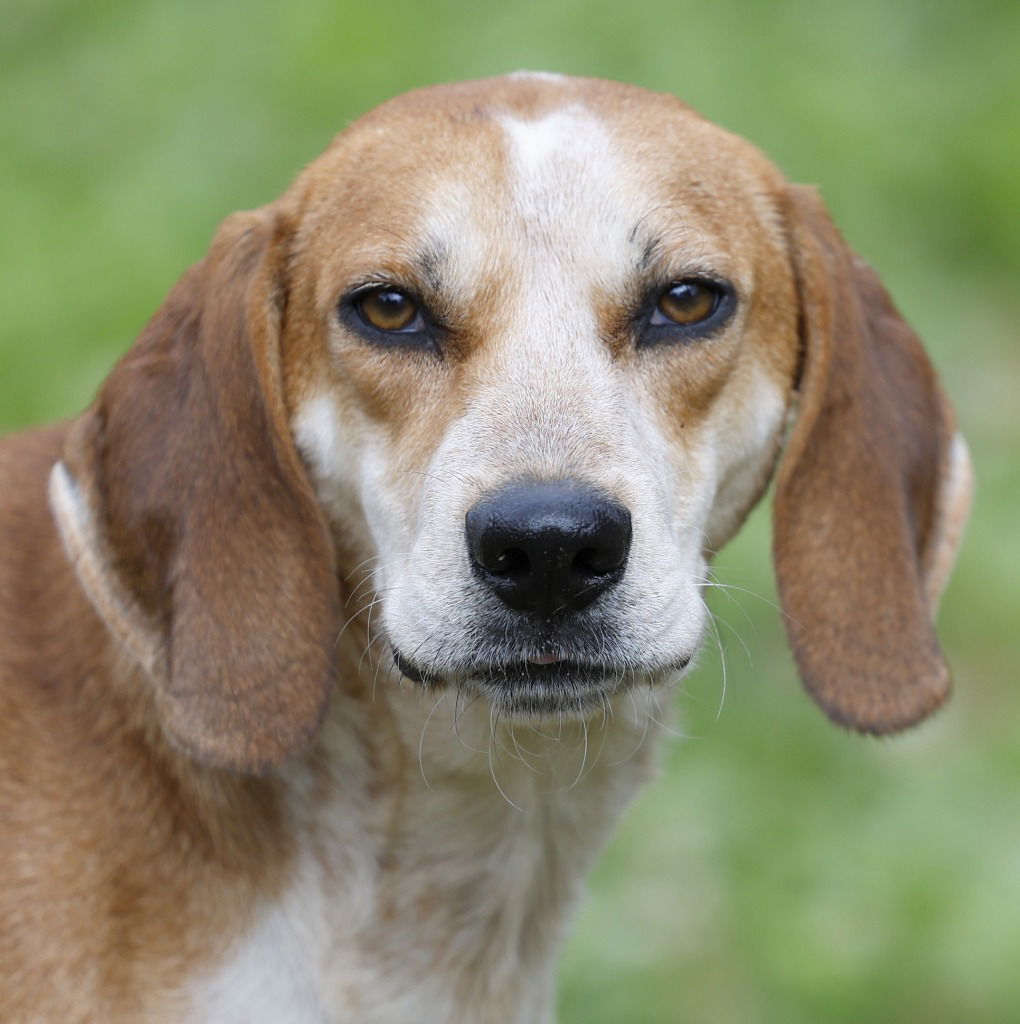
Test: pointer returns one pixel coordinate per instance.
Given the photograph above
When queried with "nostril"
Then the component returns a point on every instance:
(597, 561)
(508, 562)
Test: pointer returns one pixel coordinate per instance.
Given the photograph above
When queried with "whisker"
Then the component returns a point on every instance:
(722, 662)
(584, 755)
(638, 716)
(521, 751)
(456, 721)
(421, 740)
(492, 770)
(360, 611)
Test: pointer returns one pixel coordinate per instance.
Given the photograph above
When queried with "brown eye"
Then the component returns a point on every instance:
(388, 309)
(686, 303)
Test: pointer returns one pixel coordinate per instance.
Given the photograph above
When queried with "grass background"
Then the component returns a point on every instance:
(780, 870)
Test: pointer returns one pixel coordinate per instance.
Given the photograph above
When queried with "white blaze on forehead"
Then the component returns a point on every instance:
(558, 216)
(572, 214)
(571, 133)
(539, 76)
(566, 174)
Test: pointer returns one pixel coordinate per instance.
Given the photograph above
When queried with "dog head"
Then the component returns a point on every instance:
(526, 350)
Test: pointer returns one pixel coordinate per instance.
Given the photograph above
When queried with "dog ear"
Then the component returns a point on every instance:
(871, 495)
(191, 522)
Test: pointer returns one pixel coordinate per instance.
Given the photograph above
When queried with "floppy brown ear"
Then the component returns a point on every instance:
(871, 495)
(190, 519)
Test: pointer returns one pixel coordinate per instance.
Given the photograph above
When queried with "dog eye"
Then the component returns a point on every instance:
(684, 311)
(388, 309)
(686, 303)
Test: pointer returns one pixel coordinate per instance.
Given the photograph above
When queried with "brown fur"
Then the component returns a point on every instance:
(121, 860)
(245, 637)
(857, 492)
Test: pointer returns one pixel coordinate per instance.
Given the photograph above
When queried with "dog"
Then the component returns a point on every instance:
(334, 634)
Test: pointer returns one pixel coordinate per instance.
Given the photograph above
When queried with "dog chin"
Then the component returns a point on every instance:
(526, 691)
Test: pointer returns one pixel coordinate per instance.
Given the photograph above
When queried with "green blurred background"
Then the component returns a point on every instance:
(780, 870)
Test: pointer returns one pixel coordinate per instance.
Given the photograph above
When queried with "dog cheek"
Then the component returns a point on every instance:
(746, 450)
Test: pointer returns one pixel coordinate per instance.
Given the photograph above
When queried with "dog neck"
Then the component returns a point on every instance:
(438, 853)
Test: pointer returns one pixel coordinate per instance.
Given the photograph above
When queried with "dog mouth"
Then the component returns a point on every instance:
(542, 684)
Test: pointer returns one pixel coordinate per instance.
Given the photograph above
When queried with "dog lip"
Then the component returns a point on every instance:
(549, 667)
(408, 668)
(548, 658)
(532, 668)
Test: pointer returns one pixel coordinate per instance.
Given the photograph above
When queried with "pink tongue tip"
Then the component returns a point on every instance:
(545, 659)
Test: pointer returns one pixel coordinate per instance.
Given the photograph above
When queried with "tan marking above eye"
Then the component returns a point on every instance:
(387, 309)
(686, 302)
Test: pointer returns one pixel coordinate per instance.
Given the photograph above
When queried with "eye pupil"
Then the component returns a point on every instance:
(688, 302)
(387, 309)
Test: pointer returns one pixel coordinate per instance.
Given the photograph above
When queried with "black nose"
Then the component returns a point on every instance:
(548, 547)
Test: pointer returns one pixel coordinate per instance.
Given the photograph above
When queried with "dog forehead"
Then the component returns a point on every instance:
(465, 171)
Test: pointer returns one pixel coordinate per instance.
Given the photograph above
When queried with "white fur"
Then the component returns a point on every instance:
(495, 833)
(955, 497)
(539, 76)
(87, 551)
(269, 978)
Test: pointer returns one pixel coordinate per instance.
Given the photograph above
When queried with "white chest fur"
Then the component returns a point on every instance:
(443, 897)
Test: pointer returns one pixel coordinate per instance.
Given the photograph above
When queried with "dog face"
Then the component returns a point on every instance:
(578, 390)
(523, 352)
